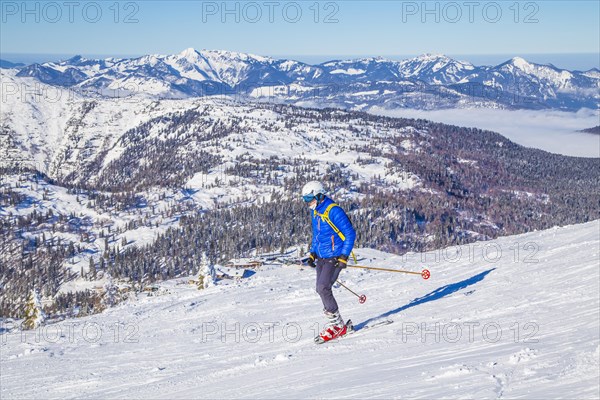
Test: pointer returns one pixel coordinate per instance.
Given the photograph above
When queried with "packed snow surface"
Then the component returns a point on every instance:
(513, 317)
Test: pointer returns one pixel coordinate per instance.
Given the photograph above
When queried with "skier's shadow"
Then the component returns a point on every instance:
(435, 295)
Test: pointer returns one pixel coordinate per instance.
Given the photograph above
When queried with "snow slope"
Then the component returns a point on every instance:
(514, 317)
(62, 136)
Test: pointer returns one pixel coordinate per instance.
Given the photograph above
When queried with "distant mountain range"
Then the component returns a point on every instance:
(8, 64)
(424, 82)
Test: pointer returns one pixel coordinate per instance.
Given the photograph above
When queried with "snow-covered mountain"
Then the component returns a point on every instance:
(428, 68)
(427, 81)
(519, 320)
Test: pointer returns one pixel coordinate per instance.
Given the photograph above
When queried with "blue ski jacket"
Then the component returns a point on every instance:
(326, 242)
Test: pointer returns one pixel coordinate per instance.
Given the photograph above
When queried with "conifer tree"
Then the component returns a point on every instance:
(34, 315)
(207, 275)
(111, 292)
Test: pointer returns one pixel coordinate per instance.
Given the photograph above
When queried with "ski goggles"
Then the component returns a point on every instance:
(308, 198)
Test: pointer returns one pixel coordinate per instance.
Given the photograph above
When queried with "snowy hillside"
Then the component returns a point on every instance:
(514, 317)
(114, 185)
(65, 136)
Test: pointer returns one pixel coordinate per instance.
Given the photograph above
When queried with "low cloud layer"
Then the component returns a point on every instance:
(553, 131)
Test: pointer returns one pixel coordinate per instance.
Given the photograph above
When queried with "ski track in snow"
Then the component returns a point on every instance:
(165, 348)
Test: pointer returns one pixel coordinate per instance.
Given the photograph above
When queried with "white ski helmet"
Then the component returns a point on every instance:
(312, 189)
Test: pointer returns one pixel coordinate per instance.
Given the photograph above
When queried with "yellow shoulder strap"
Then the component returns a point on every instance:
(325, 217)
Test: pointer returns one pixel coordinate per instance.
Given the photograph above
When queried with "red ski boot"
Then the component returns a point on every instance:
(334, 329)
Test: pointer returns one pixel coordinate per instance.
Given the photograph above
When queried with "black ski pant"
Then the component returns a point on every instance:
(327, 274)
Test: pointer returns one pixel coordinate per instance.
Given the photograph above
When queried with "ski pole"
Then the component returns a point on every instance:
(425, 274)
(361, 298)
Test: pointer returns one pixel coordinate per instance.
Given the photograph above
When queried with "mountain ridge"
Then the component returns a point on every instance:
(438, 80)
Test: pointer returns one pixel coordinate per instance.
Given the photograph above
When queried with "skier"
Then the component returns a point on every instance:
(332, 242)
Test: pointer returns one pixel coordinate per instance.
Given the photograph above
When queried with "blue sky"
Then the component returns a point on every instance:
(301, 28)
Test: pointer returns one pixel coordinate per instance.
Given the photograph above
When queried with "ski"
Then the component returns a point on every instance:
(373, 325)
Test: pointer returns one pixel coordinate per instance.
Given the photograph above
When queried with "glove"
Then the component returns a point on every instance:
(342, 261)
(311, 260)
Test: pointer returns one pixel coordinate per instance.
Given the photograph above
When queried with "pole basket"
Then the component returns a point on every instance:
(362, 298)
(425, 274)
